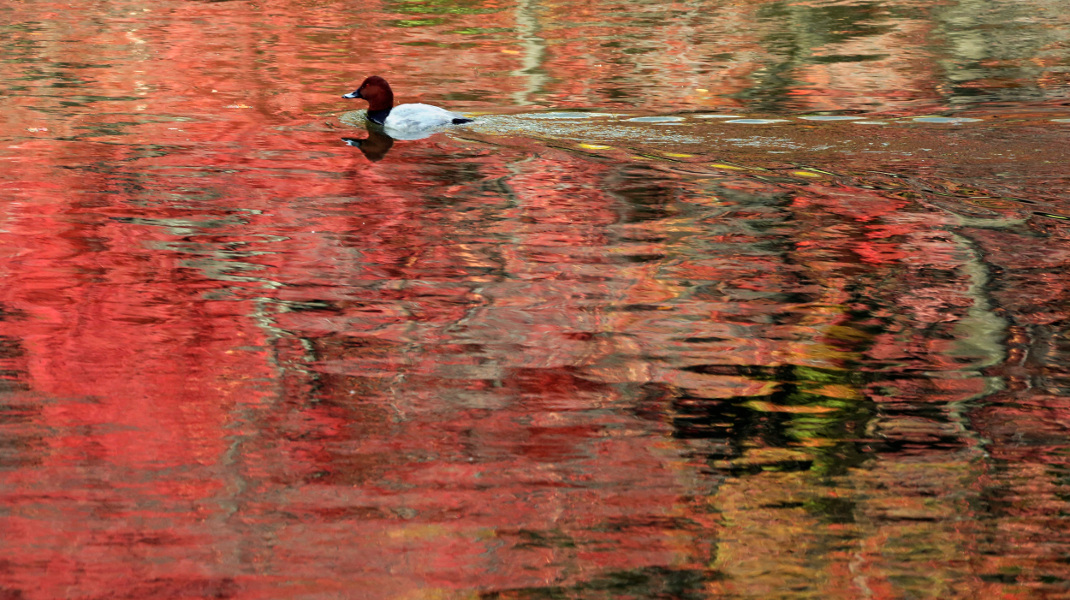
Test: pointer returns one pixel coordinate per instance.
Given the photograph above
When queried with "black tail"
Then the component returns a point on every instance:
(460, 120)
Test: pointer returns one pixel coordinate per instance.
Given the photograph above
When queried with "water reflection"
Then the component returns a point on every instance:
(604, 342)
(375, 145)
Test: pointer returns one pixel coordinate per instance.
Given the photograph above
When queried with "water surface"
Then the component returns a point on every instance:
(714, 300)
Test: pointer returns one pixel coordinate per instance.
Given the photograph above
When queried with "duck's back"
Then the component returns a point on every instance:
(415, 117)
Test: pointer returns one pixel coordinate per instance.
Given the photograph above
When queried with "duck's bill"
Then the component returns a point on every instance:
(353, 94)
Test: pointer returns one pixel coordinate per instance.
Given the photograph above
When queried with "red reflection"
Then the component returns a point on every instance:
(243, 360)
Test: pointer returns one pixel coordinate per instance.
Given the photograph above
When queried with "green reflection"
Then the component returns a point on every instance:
(404, 23)
(439, 7)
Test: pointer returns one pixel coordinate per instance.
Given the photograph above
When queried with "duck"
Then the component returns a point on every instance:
(406, 120)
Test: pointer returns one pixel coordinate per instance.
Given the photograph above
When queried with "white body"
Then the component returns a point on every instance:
(409, 121)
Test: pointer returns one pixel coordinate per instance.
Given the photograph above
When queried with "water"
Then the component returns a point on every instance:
(714, 300)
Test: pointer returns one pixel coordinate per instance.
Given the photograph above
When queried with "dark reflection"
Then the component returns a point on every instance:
(648, 582)
(375, 145)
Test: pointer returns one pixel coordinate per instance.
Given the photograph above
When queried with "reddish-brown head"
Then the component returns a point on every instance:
(376, 91)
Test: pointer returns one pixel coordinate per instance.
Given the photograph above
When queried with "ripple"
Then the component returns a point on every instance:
(583, 131)
(945, 120)
(655, 119)
(829, 118)
(756, 121)
(564, 115)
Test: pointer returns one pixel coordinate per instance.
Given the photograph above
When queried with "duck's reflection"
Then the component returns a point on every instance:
(375, 146)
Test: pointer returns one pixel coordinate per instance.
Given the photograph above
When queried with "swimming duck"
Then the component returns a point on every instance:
(403, 121)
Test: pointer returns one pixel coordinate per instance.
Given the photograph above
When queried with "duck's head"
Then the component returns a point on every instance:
(376, 91)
